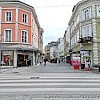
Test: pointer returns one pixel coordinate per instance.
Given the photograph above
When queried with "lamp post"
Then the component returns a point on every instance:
(0, 51)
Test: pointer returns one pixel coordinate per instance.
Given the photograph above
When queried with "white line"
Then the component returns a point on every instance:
(50, 80)
(51, 84)
(49, 89)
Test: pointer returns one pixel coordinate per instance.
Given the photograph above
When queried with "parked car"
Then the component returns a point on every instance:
(53, 60)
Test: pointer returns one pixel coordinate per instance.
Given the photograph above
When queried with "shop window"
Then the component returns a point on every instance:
(7, 58)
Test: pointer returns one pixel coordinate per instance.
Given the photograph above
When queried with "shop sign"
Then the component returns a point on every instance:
(7, 52)
(85, 53)
(68, 54)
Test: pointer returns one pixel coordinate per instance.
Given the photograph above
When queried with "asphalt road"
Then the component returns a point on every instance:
(50, 82)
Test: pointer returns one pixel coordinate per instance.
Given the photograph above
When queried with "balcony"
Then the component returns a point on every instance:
(85, 39)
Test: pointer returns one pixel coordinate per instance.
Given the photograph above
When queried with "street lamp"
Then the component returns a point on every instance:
(0, 49)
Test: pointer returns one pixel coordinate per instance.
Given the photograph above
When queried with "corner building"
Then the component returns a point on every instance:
(85, 31)
(20, 33)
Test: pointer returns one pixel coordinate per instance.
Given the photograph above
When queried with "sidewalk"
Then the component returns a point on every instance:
(5, 69)
(92, 70)
(50, 68)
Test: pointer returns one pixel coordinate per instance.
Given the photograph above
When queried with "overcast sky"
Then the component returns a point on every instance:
(53, 16)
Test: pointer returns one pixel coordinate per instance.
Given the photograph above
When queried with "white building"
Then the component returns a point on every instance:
(54, 51)
(61, 49)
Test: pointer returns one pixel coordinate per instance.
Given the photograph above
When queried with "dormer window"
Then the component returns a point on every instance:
(86, 13)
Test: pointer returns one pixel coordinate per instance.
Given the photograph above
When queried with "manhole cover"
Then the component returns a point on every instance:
(15, 72)
(34, 78)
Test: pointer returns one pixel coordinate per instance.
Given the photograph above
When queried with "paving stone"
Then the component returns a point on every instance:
(51, 97)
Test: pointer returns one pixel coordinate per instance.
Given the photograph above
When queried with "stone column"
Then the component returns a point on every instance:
(15, 58)
(95, 46)
(33, 58)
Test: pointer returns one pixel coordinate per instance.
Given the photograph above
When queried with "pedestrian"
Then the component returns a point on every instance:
(59, 61)
(44, 62)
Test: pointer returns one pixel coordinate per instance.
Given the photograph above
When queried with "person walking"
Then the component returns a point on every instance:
(59, 61)
(45, 62)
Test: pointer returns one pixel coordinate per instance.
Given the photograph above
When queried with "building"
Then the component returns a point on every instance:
(65, 46)
(61, 49)
(54, 51)
(85, 31)
(40, 46)
(68, 54)
(47, 51)
(22, 42)
(51, 51)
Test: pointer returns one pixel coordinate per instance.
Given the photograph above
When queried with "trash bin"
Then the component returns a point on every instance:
(82, 66)
(76, 67)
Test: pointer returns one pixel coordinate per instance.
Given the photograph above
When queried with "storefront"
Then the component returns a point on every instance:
(19, 55)
(86, 58)
(68, 58)
(24, 58)
(7, 58)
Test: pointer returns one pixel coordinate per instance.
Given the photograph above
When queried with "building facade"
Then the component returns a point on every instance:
(68, 55)
(61, 49)
(47, 52)
(85, 31)
(22, 35)
(52, 51)
(65, 46)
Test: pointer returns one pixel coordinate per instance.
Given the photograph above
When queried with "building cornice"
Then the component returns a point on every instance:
(82, 2)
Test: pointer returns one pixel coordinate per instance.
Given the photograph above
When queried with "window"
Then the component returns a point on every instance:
(8, 16)
(98, 10)
(86, 13)
(73, 26)
(24, 36)
(77, 19)
(77, 35)
(24, 18)
(86, 31)
(75, 38)
(7, 36)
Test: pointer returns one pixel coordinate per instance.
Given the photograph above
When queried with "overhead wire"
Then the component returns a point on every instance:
(53, 6)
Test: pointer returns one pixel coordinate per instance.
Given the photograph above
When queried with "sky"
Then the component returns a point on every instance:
(53, 16)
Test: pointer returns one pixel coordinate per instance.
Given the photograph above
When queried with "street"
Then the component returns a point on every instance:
(50, 82)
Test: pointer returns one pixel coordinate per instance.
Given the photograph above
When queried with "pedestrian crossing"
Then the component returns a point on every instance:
(65, 88)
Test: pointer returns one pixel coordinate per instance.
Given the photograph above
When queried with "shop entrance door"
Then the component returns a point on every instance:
(22, 60)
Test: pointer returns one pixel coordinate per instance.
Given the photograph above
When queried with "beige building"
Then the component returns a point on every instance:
(85, 31)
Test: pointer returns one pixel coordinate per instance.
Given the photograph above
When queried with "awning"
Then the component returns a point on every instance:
(18, 47)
